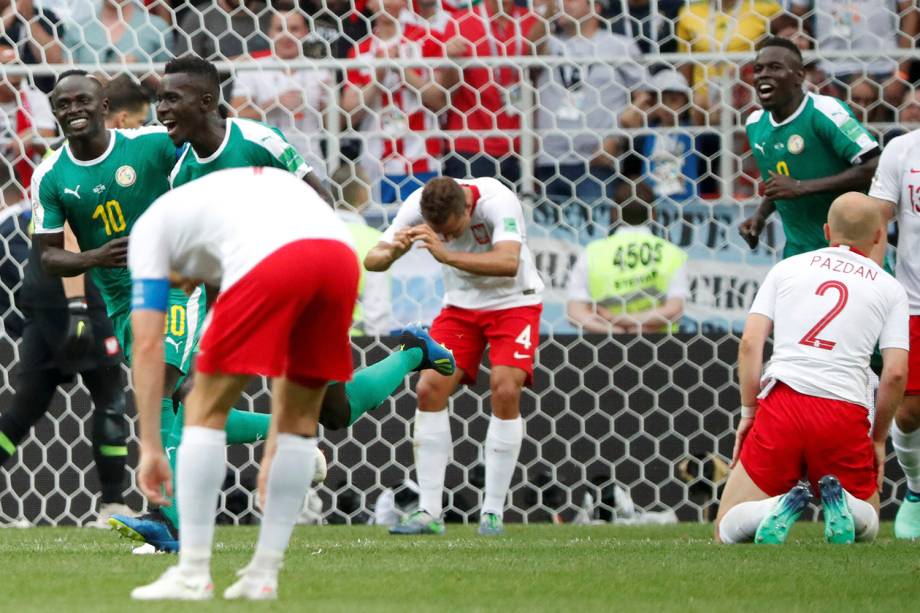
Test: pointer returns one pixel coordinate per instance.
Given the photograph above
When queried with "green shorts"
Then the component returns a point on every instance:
(184, 320)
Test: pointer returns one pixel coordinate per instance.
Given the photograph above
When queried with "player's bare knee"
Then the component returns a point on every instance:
(432, 394)
(506, 398)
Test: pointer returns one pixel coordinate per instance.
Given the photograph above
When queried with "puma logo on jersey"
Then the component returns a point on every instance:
(73, 192)
(759, 147)
(173, 342)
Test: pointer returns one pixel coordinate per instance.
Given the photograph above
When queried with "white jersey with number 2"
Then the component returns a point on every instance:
(897, 180)
(829, 308)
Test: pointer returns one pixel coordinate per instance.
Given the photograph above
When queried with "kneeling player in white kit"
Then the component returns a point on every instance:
(897, 186)
(288, 276)
(807, 416)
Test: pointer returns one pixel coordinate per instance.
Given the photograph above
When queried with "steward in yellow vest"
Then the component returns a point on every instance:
(629, 282)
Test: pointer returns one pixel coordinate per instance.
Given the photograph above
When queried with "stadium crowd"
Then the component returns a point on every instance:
(609, 120)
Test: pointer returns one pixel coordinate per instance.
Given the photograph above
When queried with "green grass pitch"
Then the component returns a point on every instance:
(533, 568)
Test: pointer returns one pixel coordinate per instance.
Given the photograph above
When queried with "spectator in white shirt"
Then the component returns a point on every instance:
(292, 100)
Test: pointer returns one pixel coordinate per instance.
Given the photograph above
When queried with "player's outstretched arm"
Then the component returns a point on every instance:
(60, 262)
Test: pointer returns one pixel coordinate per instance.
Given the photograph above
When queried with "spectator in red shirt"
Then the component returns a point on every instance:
(391, 106)
(485, 98)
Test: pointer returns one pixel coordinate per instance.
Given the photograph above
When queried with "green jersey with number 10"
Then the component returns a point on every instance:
(102, 198)
(820, 139)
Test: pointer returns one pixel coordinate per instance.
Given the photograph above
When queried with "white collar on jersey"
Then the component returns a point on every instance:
(219, 150)
(797, 112)
(93, 162)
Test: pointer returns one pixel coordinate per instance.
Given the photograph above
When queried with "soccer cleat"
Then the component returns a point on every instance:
(106, 511)
(320, 468)
(434, 355)
(838, 520)
(174, 585)
(151, 528)
(420, 522)
(491, 524)
(907, 521)
(253, 586)
(774, 528)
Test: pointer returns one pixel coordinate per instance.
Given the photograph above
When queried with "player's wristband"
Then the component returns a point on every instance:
(747, 412)
(77, 304)
(150, 295)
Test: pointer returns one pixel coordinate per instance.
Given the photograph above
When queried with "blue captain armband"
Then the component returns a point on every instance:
(150, 295)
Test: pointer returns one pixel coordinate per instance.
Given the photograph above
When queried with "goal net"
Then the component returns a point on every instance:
(581, 109)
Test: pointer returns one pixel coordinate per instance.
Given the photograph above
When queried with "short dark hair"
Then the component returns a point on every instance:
(198, 67)
(442, 199)
(74, 72)
(785, 43)
(126, 94)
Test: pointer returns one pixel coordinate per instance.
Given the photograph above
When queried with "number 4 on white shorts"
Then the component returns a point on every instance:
(523, 339)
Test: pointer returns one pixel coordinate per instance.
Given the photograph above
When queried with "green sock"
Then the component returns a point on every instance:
(171, 446)
(369, 387)
(167, 416)
(246, 427)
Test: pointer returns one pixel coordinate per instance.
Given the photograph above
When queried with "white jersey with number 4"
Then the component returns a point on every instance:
(497, 216)
(897, 180)
(829, 308)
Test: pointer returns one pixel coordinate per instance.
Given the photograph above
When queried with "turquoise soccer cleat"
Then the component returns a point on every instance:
(774, 528)
(420, 522)
(491, 524)
(434, 355)
(907, 521)
(838, 520)
(151, 528)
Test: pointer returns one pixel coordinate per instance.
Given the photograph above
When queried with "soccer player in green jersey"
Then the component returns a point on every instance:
(188, 105)
(809, 149)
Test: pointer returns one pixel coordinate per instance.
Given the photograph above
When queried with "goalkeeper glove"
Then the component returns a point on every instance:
(79, 339)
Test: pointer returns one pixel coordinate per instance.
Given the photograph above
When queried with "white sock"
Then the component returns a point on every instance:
(200, 470)
(740, 524)
(432, 453)
(865, 519)
(503, 444)
(288, 479)
(907, 448)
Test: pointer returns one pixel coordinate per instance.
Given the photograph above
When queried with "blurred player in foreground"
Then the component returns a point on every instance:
(288, 291)
(475, 228)
(896, 187)
(807, 416)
